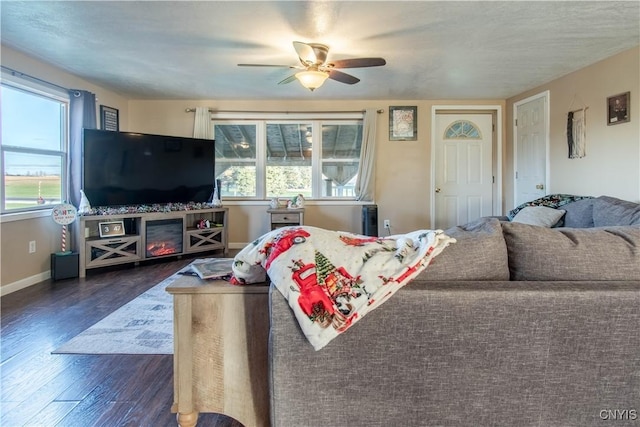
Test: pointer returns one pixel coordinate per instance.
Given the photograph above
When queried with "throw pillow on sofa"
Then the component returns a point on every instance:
(579, 214)
(539, 215)
(479, 253)
(550, 200)
(606, 253)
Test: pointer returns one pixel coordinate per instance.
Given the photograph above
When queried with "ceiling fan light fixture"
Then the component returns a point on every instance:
(311, 79)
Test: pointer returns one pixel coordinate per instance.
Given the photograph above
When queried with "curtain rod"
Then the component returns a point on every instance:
(36, 79)
(191, 110)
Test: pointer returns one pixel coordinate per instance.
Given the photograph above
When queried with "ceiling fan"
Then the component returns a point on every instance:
(316, 69)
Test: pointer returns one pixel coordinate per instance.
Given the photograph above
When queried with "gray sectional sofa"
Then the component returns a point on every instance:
(513, 325)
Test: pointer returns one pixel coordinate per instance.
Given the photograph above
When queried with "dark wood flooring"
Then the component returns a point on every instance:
(43, 389)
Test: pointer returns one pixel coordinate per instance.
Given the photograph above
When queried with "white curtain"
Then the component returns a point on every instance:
(82, 115)
(365, 183)
(202, 127)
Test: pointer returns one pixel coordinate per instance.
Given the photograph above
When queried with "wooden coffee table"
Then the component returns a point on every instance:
(220, 350)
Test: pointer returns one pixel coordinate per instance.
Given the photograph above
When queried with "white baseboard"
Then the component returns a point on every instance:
(25, 283)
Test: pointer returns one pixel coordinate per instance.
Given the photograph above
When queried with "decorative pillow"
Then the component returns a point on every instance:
(479, 253)
(550, 201)
(539, 215)
(579, 214)
(611, 211)
(607, 253)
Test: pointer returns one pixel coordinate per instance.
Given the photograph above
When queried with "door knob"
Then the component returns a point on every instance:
(438, 190)
(540, 187)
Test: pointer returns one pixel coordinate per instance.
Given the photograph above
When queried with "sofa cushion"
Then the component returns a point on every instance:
(539, 215)
(608, 253)
(550, 200)
(611, 211)
(479, 253)
(579, 214)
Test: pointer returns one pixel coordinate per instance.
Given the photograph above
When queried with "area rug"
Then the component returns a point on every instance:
(142, 326)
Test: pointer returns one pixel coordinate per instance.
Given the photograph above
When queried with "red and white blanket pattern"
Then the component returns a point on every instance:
(332, 279)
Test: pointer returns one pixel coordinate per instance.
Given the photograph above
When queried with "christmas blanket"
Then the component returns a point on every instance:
(332, 279)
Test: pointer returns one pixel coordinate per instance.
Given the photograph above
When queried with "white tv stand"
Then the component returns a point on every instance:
(133, 246)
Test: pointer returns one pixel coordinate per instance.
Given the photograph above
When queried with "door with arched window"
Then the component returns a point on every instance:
(463, 168)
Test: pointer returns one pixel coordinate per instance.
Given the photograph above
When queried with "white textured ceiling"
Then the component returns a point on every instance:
(434, 49)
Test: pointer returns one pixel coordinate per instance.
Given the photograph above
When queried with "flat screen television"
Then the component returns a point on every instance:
(128, 168)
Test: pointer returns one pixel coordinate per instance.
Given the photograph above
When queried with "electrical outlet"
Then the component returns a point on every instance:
(387, 223)
(32, 246)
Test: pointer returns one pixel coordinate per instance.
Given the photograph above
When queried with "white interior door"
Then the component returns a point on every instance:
(463, 178)
(531, 136)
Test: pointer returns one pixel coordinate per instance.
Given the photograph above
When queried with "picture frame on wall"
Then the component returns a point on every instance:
(109, 118)
(403, 123)
(618, 108)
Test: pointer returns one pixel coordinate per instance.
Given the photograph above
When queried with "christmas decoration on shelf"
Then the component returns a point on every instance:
(85, 206)
(214, 200)
(137, 209)
(297, 202)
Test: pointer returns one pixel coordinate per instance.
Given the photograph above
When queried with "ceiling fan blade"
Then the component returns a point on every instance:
(305, 53)
(287, 80)
(267, 65)
(343, 77)
(358, 63)
(311, 53)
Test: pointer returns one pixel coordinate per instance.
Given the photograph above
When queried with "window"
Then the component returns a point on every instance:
(340, 158)
(33, 147)
(289, 155)
(236, 159)
(283, 158)
(462, 129)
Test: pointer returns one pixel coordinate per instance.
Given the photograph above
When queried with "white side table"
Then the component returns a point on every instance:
(285, 217)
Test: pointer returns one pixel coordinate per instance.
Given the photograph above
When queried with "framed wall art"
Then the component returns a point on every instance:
(109, 118)
(618, 109)
(403, 123)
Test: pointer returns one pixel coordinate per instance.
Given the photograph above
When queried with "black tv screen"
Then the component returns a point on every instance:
(127, 168)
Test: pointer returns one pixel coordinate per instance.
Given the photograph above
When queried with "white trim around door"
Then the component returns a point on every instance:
(497, 167)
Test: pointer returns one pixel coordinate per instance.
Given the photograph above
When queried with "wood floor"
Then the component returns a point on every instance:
(43, 389)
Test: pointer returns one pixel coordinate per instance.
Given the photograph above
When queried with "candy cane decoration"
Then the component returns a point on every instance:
(64, 238)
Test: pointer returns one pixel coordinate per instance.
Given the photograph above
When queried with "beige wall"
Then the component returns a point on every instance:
(612, 164)
(17, 263)
(403, 168)
(17, 266)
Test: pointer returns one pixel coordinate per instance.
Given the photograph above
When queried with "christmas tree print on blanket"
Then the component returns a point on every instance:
(326, 292)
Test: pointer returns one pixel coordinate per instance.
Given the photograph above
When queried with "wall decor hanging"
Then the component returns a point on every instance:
(403, 123)
(618, 109)
(109, 118)
(577, 130)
